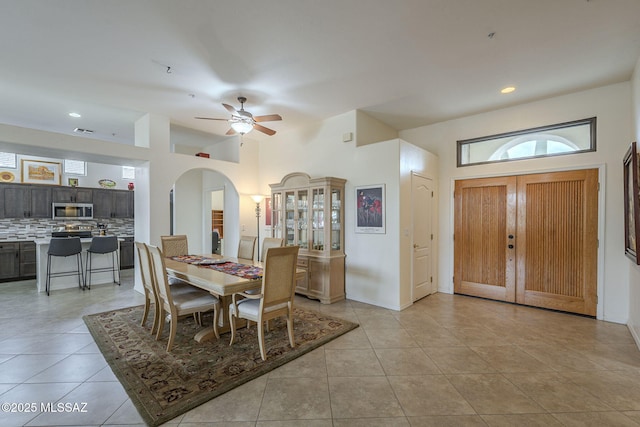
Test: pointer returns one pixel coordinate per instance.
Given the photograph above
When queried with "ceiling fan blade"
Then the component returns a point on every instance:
(231, 131)
(210, 118)
(267, 118)
(230, 109)
(263, 129)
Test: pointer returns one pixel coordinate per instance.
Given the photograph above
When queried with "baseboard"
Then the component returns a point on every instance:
(635, 333)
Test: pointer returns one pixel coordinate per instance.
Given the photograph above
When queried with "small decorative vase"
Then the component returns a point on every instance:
(130, 186)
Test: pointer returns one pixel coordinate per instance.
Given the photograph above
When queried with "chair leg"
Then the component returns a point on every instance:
(156, 317)
(87, 278)
(81, 283)
(232, 323)
(161, 322)
(290, 329)
(48, 278)
(215, 321)
(145, 313)
(260, 327)
(172, 331)
(114, 263)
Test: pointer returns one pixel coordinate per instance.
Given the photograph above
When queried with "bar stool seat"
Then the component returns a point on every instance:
(102, 245)
(64, 247)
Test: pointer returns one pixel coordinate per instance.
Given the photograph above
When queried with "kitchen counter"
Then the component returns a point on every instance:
(69, 263)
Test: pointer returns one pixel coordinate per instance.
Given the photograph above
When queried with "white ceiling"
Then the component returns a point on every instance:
(406, 62)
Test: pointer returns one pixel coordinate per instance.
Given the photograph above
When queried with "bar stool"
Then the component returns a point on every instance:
(102, 245)
(64, 247)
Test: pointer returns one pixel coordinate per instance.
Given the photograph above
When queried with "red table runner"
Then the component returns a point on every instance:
(235, 269)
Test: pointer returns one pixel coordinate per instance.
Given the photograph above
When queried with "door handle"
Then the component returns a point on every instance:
(416, 246)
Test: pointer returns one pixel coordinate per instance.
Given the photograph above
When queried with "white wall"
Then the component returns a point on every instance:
(611, 105)
(634, 270)
(373, 261)
(188, 208)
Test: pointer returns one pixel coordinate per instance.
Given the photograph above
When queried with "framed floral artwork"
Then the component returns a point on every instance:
(370, 209)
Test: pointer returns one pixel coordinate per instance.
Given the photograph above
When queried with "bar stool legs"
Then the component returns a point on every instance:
(64, 247)
(103, 245)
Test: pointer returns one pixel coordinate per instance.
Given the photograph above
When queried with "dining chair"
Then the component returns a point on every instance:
(270, 242)
(103, 245)
(178, 304)
(151, 295)
(64, 247)
(274, 300)
(246, 247)
(174, 245)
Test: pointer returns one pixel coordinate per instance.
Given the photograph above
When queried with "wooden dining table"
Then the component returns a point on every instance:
(220, 284)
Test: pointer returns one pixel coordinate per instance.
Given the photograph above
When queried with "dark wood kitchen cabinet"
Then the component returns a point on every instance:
(72, 195)
(25, 201)
(126, 253)
(27, 260)
(112, 204)
(9, 261)
(17, 261)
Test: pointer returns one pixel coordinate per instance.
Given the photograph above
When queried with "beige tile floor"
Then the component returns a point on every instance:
(446, 361)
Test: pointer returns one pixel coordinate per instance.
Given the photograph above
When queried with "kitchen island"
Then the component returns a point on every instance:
(69, 264)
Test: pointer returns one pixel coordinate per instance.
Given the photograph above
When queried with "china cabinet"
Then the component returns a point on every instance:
(310, 213)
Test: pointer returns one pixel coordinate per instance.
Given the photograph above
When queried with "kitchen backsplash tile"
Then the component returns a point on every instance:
(31, 229)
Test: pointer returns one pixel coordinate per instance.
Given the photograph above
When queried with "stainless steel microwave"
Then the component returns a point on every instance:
(72, 211)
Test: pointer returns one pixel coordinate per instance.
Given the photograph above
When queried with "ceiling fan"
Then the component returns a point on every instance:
(243, 121)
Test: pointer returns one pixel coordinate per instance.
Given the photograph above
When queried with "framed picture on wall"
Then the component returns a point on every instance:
(39, 172)
(631, 204)
(370, 209)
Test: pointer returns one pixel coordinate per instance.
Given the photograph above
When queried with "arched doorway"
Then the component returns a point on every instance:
(192, 209)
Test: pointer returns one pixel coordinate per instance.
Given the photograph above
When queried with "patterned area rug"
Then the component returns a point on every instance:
(164, 385)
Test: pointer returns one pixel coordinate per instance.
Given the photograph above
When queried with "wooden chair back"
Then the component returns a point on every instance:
(159, 276)
(268, 243)
(145, 268)
(174, 245)
(246, 248)
(279, 278)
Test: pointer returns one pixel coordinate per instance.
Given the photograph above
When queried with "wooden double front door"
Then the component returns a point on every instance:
(529, 239)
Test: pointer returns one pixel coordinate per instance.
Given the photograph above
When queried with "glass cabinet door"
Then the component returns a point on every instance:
(276, 214)
(303, 218)
(336, 212)
(318, 219)
(289, 213)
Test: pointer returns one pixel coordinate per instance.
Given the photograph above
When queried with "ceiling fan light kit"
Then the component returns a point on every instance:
(242, 127)
(243, 122)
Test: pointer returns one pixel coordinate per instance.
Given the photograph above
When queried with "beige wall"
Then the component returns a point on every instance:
(611, 105)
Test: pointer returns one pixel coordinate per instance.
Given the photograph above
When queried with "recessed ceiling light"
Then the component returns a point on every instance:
(76, 115)
(508, 89)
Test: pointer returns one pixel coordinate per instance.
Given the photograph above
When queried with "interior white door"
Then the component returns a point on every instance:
(422, 206)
